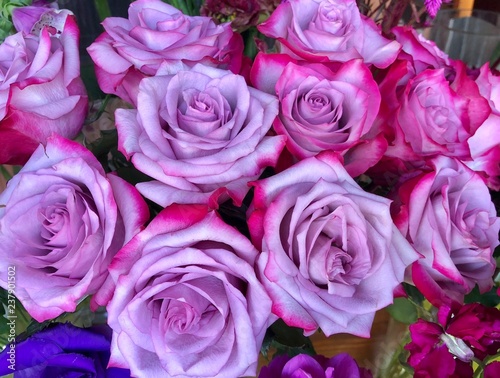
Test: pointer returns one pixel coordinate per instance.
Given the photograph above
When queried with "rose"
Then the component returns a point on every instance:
(422, 53)
(303, 365)
(41, 92)
(485, 143)
(61, 222)
(187, 302)
(158, 35)
(321, 109)
(448, 216)
(63, 350)
(198, 133)
(331, 255)
(328, 30)
(436, 117)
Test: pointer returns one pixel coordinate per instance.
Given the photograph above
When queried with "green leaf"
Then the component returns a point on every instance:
(290, 340)
(413, 293)
(102, 8)
(403, 311)
(490, 298)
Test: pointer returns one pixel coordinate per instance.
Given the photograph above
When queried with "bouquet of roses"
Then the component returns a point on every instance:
(213, 205)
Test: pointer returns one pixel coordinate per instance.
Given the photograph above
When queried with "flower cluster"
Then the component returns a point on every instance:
(337, 168)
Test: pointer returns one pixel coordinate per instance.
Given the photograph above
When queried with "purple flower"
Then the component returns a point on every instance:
(63, 350)
(331, 255)
(158, 35)
(62, 219)
(41, 92)
(305, 366)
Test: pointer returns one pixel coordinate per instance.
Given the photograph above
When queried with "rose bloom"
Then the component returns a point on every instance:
(199, 134)
(331, 255)
(305, 366)
(158, 35)
(63, 350)
(328, 30)
(321, 109)
(436, 116)
(485, 143)
(41, 92)
(187, 301)
(61, 222)
(448, 216)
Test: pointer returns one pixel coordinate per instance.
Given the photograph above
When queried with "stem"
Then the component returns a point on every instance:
(102, 8)
(480, 367)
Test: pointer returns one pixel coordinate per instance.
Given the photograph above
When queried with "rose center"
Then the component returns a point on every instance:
(180, 317)
(337, 265)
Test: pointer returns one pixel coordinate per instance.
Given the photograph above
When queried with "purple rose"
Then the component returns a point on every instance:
(321, 109)
(328, 30)
(187, 301)
(305, 366)
(448, 216)
(199, 133)
(331, 255)
(63, 350)
(41, 92)
(158, 35)
(61, 222)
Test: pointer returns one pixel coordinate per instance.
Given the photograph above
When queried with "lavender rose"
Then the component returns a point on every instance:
(158, 35)
(331, 255)
(321, 109)
(187, 302)
(61, 222)
(63, 350)
(41, 92)
(328, 30)
(198, 133)
(449, 217)
(305, 366)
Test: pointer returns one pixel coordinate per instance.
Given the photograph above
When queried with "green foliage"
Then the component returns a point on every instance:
(188, 7)
(283, 339)
(403, 311)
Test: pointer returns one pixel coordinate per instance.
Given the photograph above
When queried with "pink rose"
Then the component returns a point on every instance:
(422, 53)
(331, 255)
(328, 30)
(61, 222)
(436, 116)
(187, 302)
(199, 133)
(321, 109)
(41, 92)
(449, 218)
(158, 35)
(485, 143)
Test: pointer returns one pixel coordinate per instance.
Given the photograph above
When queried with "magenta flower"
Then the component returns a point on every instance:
(446, 349)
